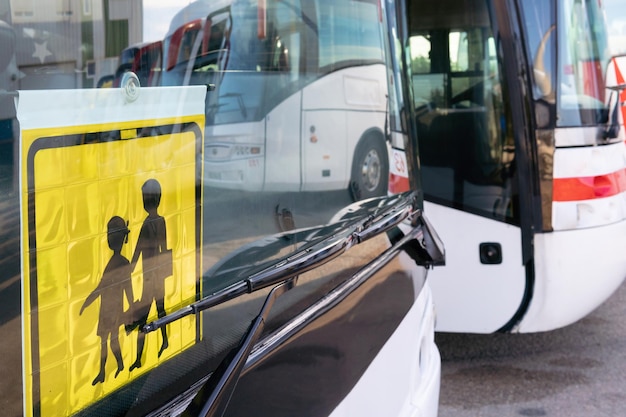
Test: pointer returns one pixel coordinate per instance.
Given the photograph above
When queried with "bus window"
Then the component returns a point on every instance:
(465, 142)
(578, 85)
(347, 36)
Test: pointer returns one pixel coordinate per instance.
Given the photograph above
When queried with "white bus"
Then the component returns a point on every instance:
(523, 162)
(267, 129)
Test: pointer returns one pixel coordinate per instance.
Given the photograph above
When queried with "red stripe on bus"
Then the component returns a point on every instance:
(398, 184)
(589, 188)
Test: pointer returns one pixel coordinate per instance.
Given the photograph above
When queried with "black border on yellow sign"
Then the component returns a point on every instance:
(79, 139)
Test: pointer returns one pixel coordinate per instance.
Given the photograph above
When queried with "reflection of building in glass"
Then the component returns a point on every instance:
(70, 43)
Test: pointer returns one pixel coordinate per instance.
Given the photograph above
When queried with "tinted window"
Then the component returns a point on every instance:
(465, 141)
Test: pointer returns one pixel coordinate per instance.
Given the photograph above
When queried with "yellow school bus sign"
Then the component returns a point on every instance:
(111, 237)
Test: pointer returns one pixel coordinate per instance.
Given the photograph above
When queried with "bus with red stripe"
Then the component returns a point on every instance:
(517, 111)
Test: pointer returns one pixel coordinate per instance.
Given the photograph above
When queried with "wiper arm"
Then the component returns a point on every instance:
(300, 262)
(213, 398)
(290, 267)
(612, 130)
(387, 219)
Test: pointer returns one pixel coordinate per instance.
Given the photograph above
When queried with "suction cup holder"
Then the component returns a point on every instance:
(130, 86)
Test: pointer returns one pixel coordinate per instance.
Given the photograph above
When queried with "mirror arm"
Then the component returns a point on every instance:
(612, 130)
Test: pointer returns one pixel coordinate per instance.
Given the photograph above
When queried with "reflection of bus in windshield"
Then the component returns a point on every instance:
(267, 64)
(521, 150)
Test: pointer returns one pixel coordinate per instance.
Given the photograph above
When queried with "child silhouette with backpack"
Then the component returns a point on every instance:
(156, 266)
(115, 283)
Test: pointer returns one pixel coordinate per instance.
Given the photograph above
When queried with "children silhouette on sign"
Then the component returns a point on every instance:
(156, 266)
(114, 284)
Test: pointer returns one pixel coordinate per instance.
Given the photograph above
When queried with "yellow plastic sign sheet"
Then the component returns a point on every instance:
(111, 237)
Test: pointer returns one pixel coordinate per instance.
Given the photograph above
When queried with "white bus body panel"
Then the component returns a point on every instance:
(300, 150)
(602, 170)
(361, 106)
(324, 165)
(469, 296)
(401, 381)
(577, 271)
(282, 146)
(582, 262)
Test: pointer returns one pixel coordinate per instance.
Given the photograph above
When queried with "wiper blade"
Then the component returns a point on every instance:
(290, 267)
(301, 261)
(387, 219)
(213, 398)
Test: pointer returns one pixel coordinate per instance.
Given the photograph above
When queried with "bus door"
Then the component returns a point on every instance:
(467, 154)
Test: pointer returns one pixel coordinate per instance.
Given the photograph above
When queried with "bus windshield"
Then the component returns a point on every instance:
(582, 44)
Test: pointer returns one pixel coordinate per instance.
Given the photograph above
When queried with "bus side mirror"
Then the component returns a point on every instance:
(428, 250)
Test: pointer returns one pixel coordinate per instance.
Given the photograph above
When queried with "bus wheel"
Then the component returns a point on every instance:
(370, 169)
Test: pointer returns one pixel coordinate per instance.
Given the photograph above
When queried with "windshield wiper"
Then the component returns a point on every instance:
(299, 262)
(212, 399)
(290, 267)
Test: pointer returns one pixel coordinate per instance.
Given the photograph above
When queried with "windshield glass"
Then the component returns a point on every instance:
(122, 201)
(568, 44)
(583, 57)
(616, 25)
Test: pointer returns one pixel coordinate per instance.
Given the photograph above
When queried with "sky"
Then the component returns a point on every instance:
(157, 15)
(616, 22)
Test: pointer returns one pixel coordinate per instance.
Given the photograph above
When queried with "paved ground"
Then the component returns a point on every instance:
(576, 371)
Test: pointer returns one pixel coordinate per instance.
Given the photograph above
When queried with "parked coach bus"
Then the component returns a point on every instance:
(268, 128)
(130, 288)
(523, 161)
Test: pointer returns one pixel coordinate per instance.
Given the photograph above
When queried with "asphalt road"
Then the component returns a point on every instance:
(576, 371)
